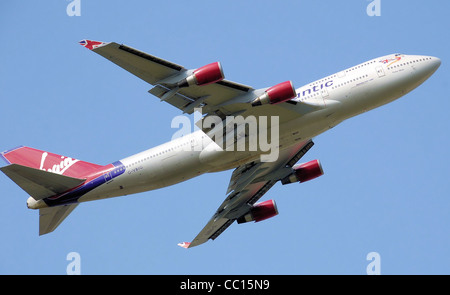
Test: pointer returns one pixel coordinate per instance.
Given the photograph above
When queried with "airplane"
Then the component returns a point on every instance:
(58, 184)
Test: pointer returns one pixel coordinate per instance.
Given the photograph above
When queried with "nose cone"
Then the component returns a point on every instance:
(432, 65)
(435, 63)
(426, 67)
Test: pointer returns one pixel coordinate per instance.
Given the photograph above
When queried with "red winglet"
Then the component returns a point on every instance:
(89, 44)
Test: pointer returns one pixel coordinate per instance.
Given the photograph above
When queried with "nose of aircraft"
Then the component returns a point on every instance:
(426, 67)
(433, 64)
(436, 63)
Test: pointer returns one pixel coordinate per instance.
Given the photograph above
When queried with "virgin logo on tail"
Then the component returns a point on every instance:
(60, 168)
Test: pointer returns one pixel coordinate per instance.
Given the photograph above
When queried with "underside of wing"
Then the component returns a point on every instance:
(248, 184)
(165, 75)
(204, 89)
(149, 68)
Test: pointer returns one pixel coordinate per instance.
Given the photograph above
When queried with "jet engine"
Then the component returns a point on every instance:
(205, 75)
(304, 172)
(260, 211)
(276, 94)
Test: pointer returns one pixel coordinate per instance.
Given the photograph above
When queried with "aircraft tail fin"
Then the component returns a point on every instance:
(41, 184)
(50, 162)
(43, 174)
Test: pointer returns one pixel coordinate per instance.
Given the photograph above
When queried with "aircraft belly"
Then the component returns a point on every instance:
(180, 167)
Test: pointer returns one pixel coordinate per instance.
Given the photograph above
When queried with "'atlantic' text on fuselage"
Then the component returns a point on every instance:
(315, 88)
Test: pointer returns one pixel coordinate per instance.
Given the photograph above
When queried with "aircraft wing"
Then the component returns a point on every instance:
(222, 98)
(248, 184)
(161, 73)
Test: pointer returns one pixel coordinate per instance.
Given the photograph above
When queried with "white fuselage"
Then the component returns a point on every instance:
(319, 106)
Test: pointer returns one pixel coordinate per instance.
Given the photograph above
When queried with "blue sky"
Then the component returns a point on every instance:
(386, 183)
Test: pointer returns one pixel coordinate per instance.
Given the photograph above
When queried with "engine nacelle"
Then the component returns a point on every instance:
(205, 75)
(276, 94)
(304, 172)
(260, 211)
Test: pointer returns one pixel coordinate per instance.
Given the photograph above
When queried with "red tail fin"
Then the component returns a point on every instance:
(42, 160)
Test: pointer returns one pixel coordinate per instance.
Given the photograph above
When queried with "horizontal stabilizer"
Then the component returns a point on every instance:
(38, 183)
(50, 218)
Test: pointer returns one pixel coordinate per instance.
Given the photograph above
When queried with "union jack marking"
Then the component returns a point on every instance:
(91, 44)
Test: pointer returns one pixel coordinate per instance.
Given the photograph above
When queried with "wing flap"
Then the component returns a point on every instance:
(177, 99)
(38, 183)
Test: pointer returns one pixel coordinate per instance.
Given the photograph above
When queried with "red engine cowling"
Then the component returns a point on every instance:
(304, 172)
(276, 94)
(205, 75)
(260, 211)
